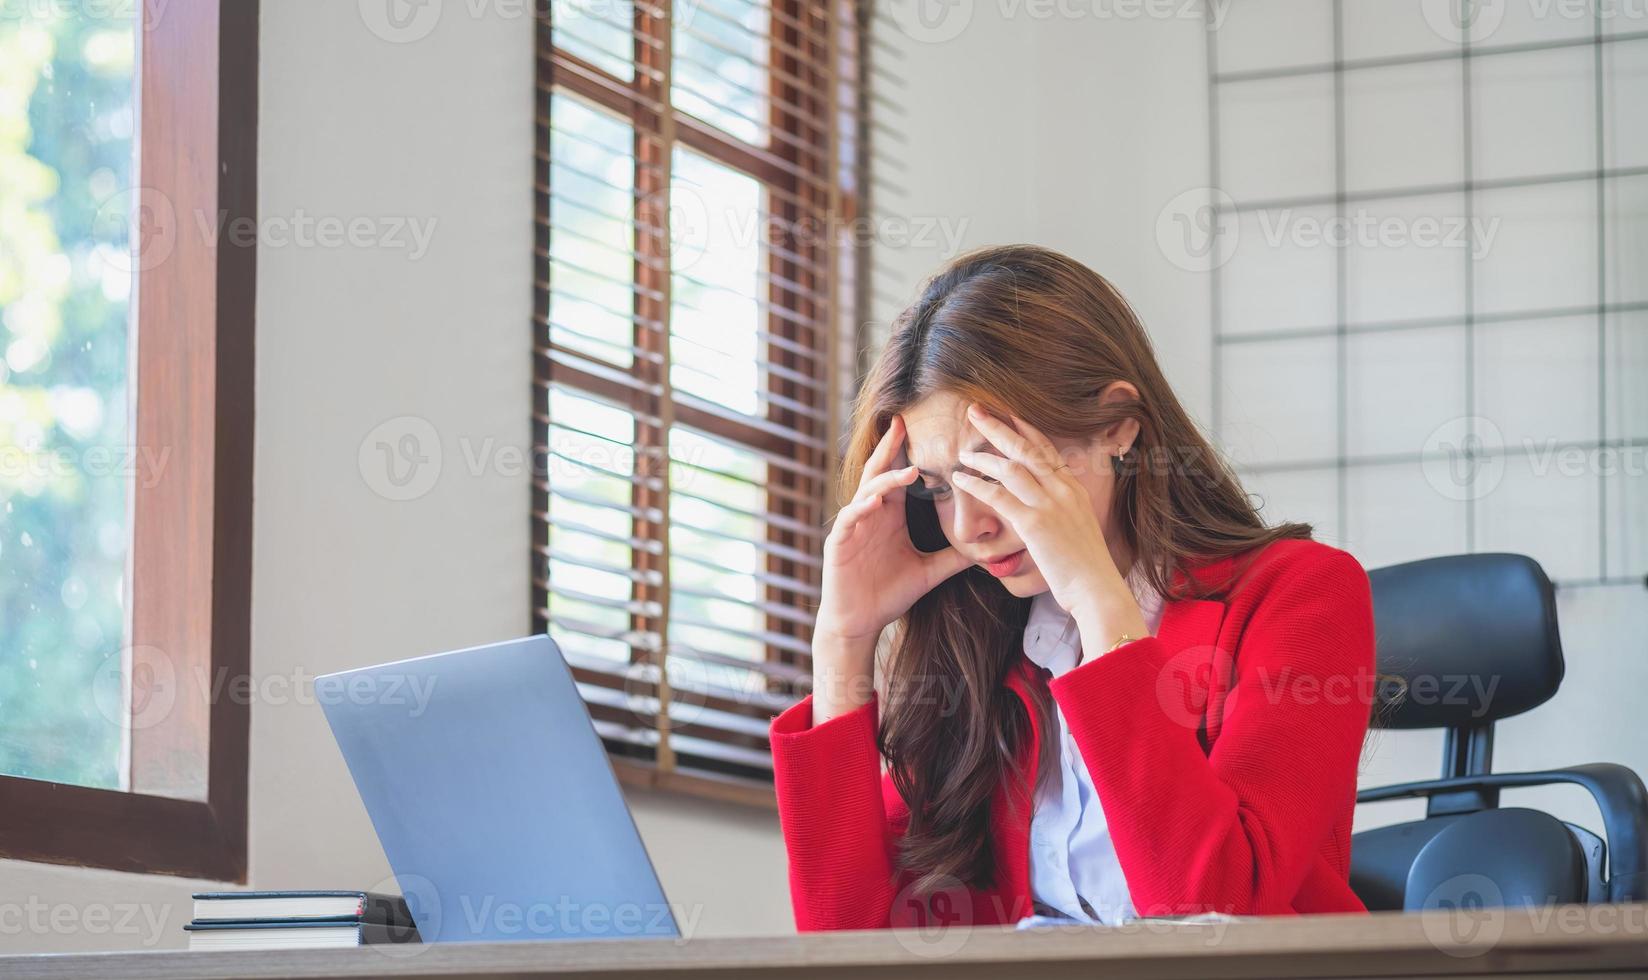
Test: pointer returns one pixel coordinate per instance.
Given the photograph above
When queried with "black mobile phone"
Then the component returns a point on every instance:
(921, 516)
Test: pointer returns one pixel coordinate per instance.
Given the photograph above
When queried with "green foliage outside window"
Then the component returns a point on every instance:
(66, 462)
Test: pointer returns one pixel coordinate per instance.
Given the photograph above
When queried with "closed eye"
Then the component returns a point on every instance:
(930, 487)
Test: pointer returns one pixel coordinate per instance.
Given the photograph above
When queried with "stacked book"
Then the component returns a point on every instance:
(298, 920)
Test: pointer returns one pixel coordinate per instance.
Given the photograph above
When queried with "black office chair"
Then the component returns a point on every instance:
(1464, 641)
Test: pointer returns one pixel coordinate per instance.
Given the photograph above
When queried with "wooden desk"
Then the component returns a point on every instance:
(1540, 942)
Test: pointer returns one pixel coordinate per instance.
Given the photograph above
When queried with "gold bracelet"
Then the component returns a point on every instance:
(1124, 638)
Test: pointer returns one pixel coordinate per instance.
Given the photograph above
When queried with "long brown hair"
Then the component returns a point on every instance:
(1025, 330)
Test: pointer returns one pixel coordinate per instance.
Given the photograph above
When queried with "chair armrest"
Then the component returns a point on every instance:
(1618, 792)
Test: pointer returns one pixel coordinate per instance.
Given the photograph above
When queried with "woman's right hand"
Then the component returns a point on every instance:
(873, 574)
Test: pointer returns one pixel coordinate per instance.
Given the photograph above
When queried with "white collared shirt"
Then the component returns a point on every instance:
(1073, 866)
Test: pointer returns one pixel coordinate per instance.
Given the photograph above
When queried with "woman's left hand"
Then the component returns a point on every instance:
(1052, 512)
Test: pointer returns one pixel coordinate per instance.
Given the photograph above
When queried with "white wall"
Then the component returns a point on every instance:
(1017, 124)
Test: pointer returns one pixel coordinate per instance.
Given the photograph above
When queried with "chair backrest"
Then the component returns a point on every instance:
(1498, 858)
(1470, 639)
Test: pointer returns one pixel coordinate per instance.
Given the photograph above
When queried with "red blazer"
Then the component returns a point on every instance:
(1224, 750)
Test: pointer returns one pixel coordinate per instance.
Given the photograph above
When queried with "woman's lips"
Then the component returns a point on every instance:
(1003, 567)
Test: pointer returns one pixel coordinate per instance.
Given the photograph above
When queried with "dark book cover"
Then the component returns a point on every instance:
(290, 907)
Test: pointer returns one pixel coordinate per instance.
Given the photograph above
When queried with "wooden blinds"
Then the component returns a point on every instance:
(698, 180)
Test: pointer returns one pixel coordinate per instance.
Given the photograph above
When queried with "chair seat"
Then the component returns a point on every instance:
(1505, 857)
(1381, 858)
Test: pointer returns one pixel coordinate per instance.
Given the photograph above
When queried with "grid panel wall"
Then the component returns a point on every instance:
(1431, 325)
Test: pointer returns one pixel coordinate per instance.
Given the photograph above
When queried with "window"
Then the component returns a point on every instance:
(125, 419)
(699, 170)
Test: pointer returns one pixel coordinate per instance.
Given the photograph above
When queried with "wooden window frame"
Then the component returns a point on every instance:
(190, 565)
(816, 276)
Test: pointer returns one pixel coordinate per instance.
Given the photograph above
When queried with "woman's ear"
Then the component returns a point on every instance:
(1119, 435)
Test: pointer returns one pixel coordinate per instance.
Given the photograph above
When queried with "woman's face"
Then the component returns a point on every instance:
(938, 430)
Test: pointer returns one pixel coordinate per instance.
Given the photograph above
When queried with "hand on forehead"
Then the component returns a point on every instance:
(938, 429)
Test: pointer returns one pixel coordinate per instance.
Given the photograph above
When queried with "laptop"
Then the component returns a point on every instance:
(493, 797)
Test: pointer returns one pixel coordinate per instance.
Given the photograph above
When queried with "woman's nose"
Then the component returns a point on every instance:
(972, 520)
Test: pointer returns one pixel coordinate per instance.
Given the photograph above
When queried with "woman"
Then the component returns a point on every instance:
(1112, 691)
